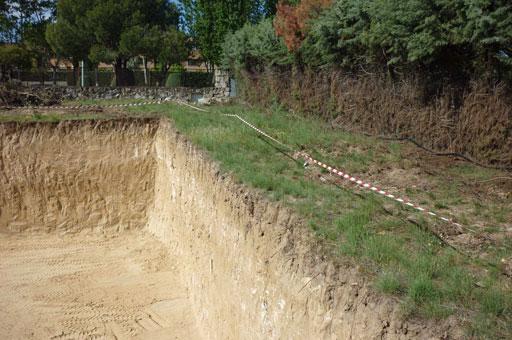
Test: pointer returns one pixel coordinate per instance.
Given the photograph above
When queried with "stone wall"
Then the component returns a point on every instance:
(150, 93)
(220, 92)
(221, 78)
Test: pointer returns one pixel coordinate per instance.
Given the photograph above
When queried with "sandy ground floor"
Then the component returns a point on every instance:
(83, 287)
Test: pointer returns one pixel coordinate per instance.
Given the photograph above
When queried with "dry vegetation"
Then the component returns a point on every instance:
(12, 96)
(476, 122)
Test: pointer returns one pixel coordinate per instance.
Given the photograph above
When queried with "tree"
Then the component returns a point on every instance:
(210, 20)
(15, 16)
(5, 22)
(141, 41)
(108, 20)
(13, 58)
(338, 36)
(269, 8)
(110, 31)
(69, 36)
(165, 47)
(34, 40)
(489, 29)
(292, 20)
(255, 47)
(22, 23)
(174, 49)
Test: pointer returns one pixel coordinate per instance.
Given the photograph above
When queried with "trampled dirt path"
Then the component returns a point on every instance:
(92, 286)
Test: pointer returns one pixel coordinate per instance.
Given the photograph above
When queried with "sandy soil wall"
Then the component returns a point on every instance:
(252, 270)
(72, 176)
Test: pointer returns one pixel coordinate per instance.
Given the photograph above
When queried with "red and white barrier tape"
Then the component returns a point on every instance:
(366, 185)
(257, 129)
(371, 187)
(191, 106)
(74, 107)
(243, 121)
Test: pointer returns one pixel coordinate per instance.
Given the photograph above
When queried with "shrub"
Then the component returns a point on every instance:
(12, 56)
(173, 79)
(292, 22)
(439, 39)
(255, 46)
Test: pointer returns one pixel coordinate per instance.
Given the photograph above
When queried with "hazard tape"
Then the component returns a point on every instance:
(191, 106)
(363, 184)
(243, 121)
(75, 107)
(370, 187)
(343, 175)
(257, 129)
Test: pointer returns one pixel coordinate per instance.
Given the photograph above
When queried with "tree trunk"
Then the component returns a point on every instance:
(41, 72)
(76, 69)
(118, 70)
(54, 75)
(124, 77)
(144, 60)
(149, 77)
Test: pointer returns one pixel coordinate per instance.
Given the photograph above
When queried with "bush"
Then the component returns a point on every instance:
(439, 39)
(173, 79)
(255, 46)
(12, 56)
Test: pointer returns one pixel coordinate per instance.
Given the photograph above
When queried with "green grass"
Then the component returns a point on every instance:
(103, 101)
(430, 279)
(388, 283)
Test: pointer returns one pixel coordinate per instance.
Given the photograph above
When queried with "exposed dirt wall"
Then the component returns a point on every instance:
(72, 176)
(252, 270)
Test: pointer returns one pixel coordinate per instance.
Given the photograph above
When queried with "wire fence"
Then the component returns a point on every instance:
(105, 78)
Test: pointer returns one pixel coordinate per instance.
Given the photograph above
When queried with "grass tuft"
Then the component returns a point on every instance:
(388, 283)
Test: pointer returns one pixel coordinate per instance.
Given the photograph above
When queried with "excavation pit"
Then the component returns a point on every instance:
(123, 229)
(91, 286)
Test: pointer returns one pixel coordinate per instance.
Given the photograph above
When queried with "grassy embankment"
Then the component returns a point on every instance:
(402, 258)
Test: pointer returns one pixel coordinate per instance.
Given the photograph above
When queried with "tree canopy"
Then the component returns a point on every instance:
(455, 39)
(209, 21)
(114, 31)
(17, 15)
